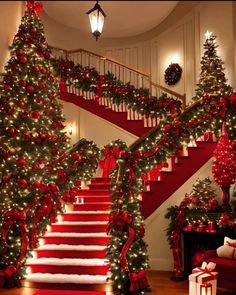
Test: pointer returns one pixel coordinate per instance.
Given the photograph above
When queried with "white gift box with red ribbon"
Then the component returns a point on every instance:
(203, 280)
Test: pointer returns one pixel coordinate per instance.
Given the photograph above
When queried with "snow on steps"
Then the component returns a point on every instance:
(72, 252)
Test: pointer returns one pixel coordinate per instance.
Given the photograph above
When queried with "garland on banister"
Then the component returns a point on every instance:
(25, 222)
(88, 79)
(126, 249)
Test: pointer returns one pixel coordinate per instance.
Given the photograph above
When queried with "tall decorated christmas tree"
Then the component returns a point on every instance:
(217, 97)
(32, 136)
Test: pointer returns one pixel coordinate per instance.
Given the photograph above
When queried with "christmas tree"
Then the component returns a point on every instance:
(32, 136)
(202, 196)
(212, 82)
(126, 250)
(224, 167)
(31, 118)
(216, 95)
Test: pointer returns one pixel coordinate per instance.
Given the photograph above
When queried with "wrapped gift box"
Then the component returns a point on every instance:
(203, 280)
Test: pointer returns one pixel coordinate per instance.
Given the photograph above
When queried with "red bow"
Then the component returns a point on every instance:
(138, 281)
(120, 219)
(37, 7)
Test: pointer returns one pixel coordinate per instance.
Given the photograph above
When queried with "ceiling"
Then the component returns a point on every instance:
(124, 18)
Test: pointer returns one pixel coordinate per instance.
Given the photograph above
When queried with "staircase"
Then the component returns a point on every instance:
(117, 115)
(180, 169)
(72, 252)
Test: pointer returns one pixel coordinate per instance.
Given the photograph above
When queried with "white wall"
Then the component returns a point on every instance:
(91, 127)
(182, 41)
(10, 17)
(159, 252)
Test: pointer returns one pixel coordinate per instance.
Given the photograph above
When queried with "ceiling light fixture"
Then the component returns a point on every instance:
(96, 18)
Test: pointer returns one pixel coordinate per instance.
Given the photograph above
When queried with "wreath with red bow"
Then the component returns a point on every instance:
(173, 74)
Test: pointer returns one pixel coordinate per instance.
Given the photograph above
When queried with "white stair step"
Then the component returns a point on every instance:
(65, 247)
(71, 234)
(66, 278)
(86, 212)
(68, 261)
(79, 222)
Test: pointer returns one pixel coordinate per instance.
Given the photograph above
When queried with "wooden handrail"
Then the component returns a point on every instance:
(137, 142)
(111, 60)
(180, 96)
(147, 76)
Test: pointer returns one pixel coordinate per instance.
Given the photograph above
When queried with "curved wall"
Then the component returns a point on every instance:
(10, 17)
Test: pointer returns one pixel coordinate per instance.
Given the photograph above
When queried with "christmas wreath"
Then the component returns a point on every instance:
(173, 74)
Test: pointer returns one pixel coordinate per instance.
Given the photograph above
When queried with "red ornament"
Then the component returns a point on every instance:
(33, 31)
(35, 115)
(7, 87)
(37, 184)
(166, 128)
(23, 59)
(55, 124)
(22, 82)
(52, 78)
(19, 52)
(27, 136)
(47, 112)
(20, 162)
(9, 110)
(75, 155)
(53, 138)
(11, 131)
(24, 116)
(43, 71)
(54, 150)
(30, 89)
(41, 85)
(53, 187)
(23, 183)
(35, 69)
(35, 167)
(46, 54)
(21, 104)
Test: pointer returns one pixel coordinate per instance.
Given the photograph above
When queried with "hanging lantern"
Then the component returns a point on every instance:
(96, 18)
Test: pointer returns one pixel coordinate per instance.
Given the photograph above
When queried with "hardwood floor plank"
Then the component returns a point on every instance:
(160, 282)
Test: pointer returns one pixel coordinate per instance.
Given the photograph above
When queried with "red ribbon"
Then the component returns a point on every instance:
(138, 281)
(14, 217)
(128, 243)
(121, 219)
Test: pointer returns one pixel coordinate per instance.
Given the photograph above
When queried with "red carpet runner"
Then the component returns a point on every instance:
(67, 292)
(72, 253)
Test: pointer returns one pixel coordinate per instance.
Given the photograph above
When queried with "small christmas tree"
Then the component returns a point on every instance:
(212, 82)
(202, 196)
(224, 165)
(216, 95)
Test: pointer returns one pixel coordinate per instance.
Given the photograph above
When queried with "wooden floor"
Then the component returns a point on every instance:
(159, 280)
